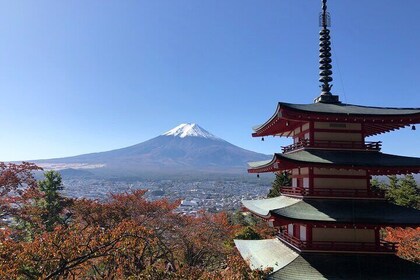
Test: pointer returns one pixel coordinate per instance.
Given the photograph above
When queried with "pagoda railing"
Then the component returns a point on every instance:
(368, 146)
(382, 246)
(296, 242)
(332, 192)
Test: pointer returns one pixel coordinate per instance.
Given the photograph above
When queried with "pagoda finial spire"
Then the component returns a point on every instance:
(325, 58)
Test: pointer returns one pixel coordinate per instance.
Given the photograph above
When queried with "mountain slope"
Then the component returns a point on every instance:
(186, 148)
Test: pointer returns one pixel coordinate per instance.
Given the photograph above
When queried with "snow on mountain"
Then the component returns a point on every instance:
(185, 149)
(190, 129)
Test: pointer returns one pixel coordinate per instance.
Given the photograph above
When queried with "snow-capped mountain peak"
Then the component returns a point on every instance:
(190, 129)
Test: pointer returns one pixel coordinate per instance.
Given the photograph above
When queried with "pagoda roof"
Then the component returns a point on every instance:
(350, 211)
(376, 119)
(311, 266)
(376, 163)
(266, 253)
(262, 207)
(350, 109)
(288, 264)
(339, 211)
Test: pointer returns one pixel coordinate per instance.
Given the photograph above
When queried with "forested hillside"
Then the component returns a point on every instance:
(46, 236)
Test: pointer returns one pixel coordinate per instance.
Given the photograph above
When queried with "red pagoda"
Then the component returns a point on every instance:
(329, 220)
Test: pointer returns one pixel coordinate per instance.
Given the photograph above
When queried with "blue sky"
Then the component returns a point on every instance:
(86, 76)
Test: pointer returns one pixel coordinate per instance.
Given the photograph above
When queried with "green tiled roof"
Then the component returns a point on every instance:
(376, 119)
(352, 158)
(350, 109)
(350, 211)
(262, 254)
(259, 163)
(347, 267)
(329, 158)
(263, 207)
(287, 264)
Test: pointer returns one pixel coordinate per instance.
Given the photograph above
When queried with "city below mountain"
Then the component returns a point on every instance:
(187, 149)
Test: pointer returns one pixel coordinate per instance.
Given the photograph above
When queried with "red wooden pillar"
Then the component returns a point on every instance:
(311, 133)
(309, 235)
(377, 237)
(368, 178)
(296, 230)
(311, 180)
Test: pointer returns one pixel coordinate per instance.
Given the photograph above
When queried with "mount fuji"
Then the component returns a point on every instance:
(185, 149)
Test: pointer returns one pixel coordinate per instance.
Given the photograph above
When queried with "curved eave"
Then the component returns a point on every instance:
(262, 207)
(376, 120)
(375, 163)
(266, 253)
(277, 125)
(274, 165)
(264, 166)
(350, 212)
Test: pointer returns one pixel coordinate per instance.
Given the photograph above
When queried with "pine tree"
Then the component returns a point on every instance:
(403, 191)
(52, 203)
(282, 180)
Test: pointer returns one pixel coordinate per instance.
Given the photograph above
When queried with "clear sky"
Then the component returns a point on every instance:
(92, 75)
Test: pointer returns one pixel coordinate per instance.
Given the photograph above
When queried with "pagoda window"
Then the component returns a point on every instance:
(306, 183)
(302, 232)
(301, 133)
(290, 229)
(300, 177)
(305, 127)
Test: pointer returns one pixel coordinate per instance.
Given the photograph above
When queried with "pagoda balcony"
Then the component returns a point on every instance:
(382, 246)
(331, 192)
(333, 144)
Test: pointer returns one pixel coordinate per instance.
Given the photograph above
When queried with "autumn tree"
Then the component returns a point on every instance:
(18, 188)
(15, 181)
(409, 242)
(123, 237)
(404, 192)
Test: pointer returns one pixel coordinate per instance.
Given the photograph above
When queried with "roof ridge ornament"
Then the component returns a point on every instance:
(325, 58)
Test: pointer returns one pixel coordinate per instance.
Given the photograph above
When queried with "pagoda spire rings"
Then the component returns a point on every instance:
(325, 51)
(325, 73)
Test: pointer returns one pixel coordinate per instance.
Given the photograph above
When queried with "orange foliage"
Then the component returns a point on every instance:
(409, 242)
(124, 237)
(16, 182)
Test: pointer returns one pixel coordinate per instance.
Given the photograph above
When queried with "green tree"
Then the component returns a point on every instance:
(282, 179)
(248, 233)
(51, 202)
(403, 191)
(242, 219)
